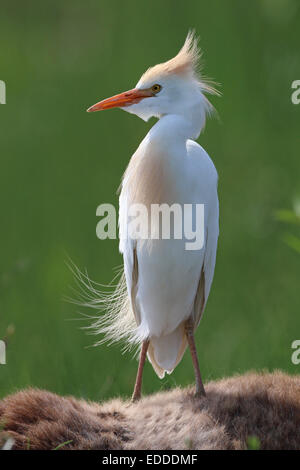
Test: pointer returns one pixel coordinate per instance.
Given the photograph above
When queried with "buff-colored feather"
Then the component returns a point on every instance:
(185, 63)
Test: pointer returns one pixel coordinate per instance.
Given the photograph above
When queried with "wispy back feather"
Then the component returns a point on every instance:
(114, 317)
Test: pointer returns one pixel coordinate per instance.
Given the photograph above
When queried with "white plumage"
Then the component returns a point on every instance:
(167, 284)
(168, 274)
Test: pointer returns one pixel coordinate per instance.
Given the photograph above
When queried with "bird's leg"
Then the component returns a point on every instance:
(189, 330)
(138, 383)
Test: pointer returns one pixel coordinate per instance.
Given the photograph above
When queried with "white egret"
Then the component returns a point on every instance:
(167, 285)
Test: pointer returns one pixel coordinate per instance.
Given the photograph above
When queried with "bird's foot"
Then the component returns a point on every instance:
(135, 397)
(200, 392)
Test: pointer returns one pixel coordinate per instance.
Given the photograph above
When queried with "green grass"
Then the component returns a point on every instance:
(58, 163)
(253, 443)
(63, 444)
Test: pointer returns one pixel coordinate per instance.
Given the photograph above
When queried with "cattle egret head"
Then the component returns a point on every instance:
(173, 87)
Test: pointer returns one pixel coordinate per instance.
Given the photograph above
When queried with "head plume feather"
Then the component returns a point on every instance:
(185, 63)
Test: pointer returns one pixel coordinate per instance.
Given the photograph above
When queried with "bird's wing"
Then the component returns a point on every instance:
(199, 302)
(208, 194)
(133, 291)
(208, 267)
(129, 250)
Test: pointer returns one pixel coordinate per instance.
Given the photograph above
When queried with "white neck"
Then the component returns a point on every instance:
(175, 128)
(183, 126)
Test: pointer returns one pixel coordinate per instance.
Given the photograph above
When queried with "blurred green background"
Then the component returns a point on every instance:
(58, 163)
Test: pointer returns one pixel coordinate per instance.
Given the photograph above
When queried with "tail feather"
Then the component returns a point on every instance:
(166, 352)
(116, 321)
(114, 317)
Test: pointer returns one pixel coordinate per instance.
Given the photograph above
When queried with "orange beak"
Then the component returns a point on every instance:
(122, 100)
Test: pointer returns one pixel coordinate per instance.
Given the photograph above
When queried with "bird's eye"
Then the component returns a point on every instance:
(155, 88)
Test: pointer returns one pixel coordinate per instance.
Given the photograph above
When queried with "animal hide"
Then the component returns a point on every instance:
(264, 405)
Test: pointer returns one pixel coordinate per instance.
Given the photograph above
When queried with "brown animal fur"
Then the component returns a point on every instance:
(263, 405)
